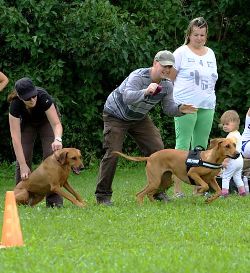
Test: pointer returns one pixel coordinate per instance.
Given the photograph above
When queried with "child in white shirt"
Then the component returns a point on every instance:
(230, 122)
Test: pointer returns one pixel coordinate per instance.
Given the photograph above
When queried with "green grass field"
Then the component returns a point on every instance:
(185, 235)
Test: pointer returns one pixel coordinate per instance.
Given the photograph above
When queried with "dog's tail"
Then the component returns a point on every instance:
(133, 158)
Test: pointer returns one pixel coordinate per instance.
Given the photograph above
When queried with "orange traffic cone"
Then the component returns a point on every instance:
(11, 232)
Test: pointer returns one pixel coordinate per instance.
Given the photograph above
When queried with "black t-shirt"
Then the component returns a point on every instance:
(36, 114)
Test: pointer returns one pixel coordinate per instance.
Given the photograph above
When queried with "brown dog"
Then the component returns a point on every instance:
(50, 176)
(163, 164)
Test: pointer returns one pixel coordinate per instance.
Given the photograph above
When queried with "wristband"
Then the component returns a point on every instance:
(58, 139)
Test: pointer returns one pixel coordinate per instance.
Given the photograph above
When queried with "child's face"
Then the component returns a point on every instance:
(229, 126)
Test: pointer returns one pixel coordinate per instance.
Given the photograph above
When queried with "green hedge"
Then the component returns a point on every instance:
(80, 50)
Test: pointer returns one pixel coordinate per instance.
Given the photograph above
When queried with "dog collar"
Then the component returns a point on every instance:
(190, 162)
(210, 165)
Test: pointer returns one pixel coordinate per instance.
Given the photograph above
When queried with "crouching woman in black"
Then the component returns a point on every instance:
(32, 112)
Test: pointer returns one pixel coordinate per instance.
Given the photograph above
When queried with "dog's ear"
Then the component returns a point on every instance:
(213, 143)
(233, 139)
(61, 156)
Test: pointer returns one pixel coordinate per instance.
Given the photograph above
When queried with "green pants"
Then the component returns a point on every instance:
(193, 129)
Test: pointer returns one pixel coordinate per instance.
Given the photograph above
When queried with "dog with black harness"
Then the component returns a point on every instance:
(194, 160)
(163, 164)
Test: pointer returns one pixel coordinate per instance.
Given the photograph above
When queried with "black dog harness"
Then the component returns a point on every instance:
(194, 160)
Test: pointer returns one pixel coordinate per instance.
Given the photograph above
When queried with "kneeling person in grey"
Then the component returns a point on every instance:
(126, 112)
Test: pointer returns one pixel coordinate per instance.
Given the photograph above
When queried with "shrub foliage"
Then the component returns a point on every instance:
(80, 50)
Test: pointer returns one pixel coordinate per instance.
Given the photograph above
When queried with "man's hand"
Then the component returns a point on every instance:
(187, 109)
(151, 89)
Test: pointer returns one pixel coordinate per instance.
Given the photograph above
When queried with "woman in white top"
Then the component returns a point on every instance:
(194, 77)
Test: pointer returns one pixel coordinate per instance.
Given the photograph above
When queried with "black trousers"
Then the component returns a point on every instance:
(144, 132)
(28, 136)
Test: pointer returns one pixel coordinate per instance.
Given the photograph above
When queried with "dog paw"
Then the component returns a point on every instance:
(212, 198)
(81, 204)
(208, 200)
(140, 201)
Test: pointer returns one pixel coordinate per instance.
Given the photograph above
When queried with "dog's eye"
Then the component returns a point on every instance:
(74, 158)
(228, 146)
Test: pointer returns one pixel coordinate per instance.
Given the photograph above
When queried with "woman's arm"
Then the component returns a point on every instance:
(3, 81)
(56, 127)
(15, 132)
(178, 57)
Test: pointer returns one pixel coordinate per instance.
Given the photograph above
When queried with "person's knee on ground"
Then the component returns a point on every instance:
(54, 200)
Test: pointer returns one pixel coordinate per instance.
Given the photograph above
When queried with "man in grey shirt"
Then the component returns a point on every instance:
(126, 112)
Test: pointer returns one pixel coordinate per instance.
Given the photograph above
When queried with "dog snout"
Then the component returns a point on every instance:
(234, 156)
(78, 168)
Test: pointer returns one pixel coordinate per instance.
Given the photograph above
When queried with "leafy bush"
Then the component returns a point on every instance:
(81, 50)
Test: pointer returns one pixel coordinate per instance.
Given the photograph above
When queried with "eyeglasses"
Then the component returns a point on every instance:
(29, 99)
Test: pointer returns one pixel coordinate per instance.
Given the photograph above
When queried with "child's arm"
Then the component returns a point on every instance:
(225, 162)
